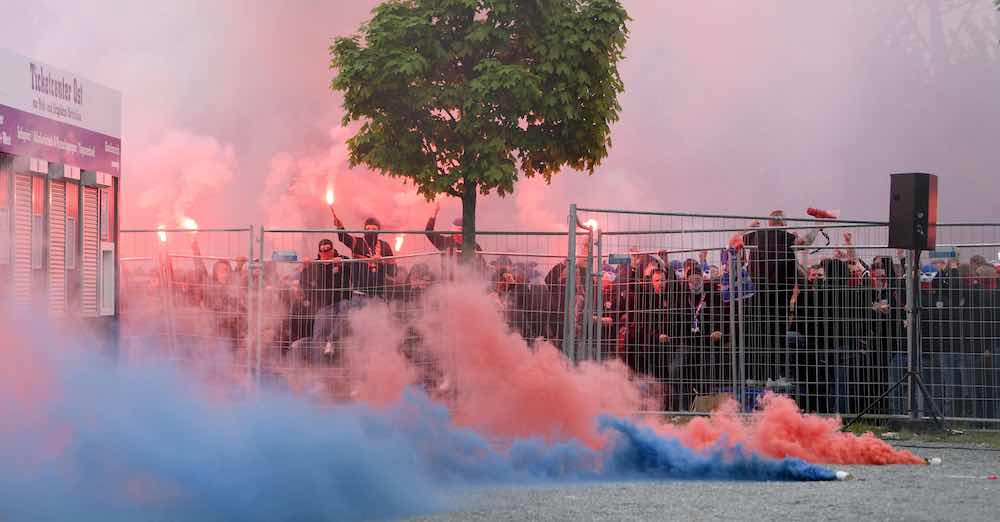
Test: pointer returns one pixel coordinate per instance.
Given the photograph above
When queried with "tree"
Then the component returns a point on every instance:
(460, 96)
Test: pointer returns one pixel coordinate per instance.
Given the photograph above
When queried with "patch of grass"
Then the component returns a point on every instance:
(952, 435)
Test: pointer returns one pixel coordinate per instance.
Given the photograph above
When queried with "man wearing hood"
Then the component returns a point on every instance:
(368, 277)
(445, 242)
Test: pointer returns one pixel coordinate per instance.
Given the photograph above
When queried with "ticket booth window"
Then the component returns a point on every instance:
(37, 222)
(106, 215)
(72, 223)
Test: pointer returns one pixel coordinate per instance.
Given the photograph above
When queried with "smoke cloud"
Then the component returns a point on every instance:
(727, 108)
(190, 171)
(146, 440)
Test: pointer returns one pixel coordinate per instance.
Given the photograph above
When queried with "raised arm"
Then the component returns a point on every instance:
(199, 263)
(344, 237)
(435, 238)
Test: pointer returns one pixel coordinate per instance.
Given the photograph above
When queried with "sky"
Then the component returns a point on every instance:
(728, 108)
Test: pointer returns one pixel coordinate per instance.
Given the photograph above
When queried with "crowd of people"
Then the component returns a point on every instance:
(832, 333)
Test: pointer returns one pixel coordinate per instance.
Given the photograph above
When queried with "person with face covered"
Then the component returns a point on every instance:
(371, 277)
(444, 242)
(325, 288)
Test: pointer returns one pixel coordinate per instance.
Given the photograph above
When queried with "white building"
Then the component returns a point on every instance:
(60, 168)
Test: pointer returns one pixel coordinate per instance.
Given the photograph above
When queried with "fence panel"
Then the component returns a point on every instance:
(306, 302)
(705, 304)
(185, 295)
(960, 322)
(812, 308)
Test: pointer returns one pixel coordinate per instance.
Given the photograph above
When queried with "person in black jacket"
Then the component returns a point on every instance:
(371, 277)
(699, 320)
(772, 264)
(611, 307)
(986, 350)
(836, 331)
(443, 242)
(942, 310)
(645, 338)
(325, 286)
(888, 333)
(323, 281)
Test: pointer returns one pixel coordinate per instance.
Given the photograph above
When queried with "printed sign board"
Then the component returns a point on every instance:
(58, 116)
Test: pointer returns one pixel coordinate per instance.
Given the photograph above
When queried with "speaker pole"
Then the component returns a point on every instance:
(913, 342)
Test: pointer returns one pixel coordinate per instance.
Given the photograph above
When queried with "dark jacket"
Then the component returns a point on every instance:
(324, 283)
(369, 278)
(696, 316)
(443, 242)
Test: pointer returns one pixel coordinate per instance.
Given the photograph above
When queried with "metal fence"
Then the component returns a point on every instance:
(186, 295)
(277, 304)
(813, 308)
(704, 304)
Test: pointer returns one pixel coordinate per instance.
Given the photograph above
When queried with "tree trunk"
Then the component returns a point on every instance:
(468, 222)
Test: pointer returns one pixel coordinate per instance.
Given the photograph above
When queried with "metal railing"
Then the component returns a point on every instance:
(289, 321)
(703, 304)
(814, 308)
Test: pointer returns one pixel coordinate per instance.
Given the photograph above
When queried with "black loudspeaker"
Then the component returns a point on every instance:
(913, 211)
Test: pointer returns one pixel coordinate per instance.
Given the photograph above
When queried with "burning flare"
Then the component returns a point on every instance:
(189, 223)
(329, 196)
(819, 213)
(399, 243)
(161, 233)
(591, 224)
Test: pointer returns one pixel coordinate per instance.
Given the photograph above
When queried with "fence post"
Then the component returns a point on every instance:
(599, 326)
(259, 334)
(167, 289)
(586, 319)
(569, 314)
(251, 304)
(731, 269)
(914, 407)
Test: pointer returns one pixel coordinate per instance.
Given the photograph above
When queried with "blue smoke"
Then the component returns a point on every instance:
(146, 444)
(639, 452)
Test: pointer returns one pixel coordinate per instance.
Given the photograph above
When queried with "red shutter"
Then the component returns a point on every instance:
(57, 247)
(88, 262)
(22, 239)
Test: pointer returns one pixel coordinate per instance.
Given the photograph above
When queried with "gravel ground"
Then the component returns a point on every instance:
(955, 490)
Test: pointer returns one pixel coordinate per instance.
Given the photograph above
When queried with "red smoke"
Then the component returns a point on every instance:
(495, 382)
(499, 385)
(780, 430)
(379, 371)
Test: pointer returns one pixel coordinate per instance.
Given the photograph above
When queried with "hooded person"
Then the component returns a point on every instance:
(324, 282)
(369, 278)
(445, 242)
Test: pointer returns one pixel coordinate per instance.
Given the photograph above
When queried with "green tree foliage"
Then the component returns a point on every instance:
(460, 96)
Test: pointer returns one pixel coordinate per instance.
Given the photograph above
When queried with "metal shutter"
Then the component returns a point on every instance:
(88, 300)
(57, 247)
(22, 239)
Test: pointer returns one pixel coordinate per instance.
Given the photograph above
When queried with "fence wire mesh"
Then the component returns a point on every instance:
(813, 308)
(186, 295)
(277, 305)
(707, 305)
